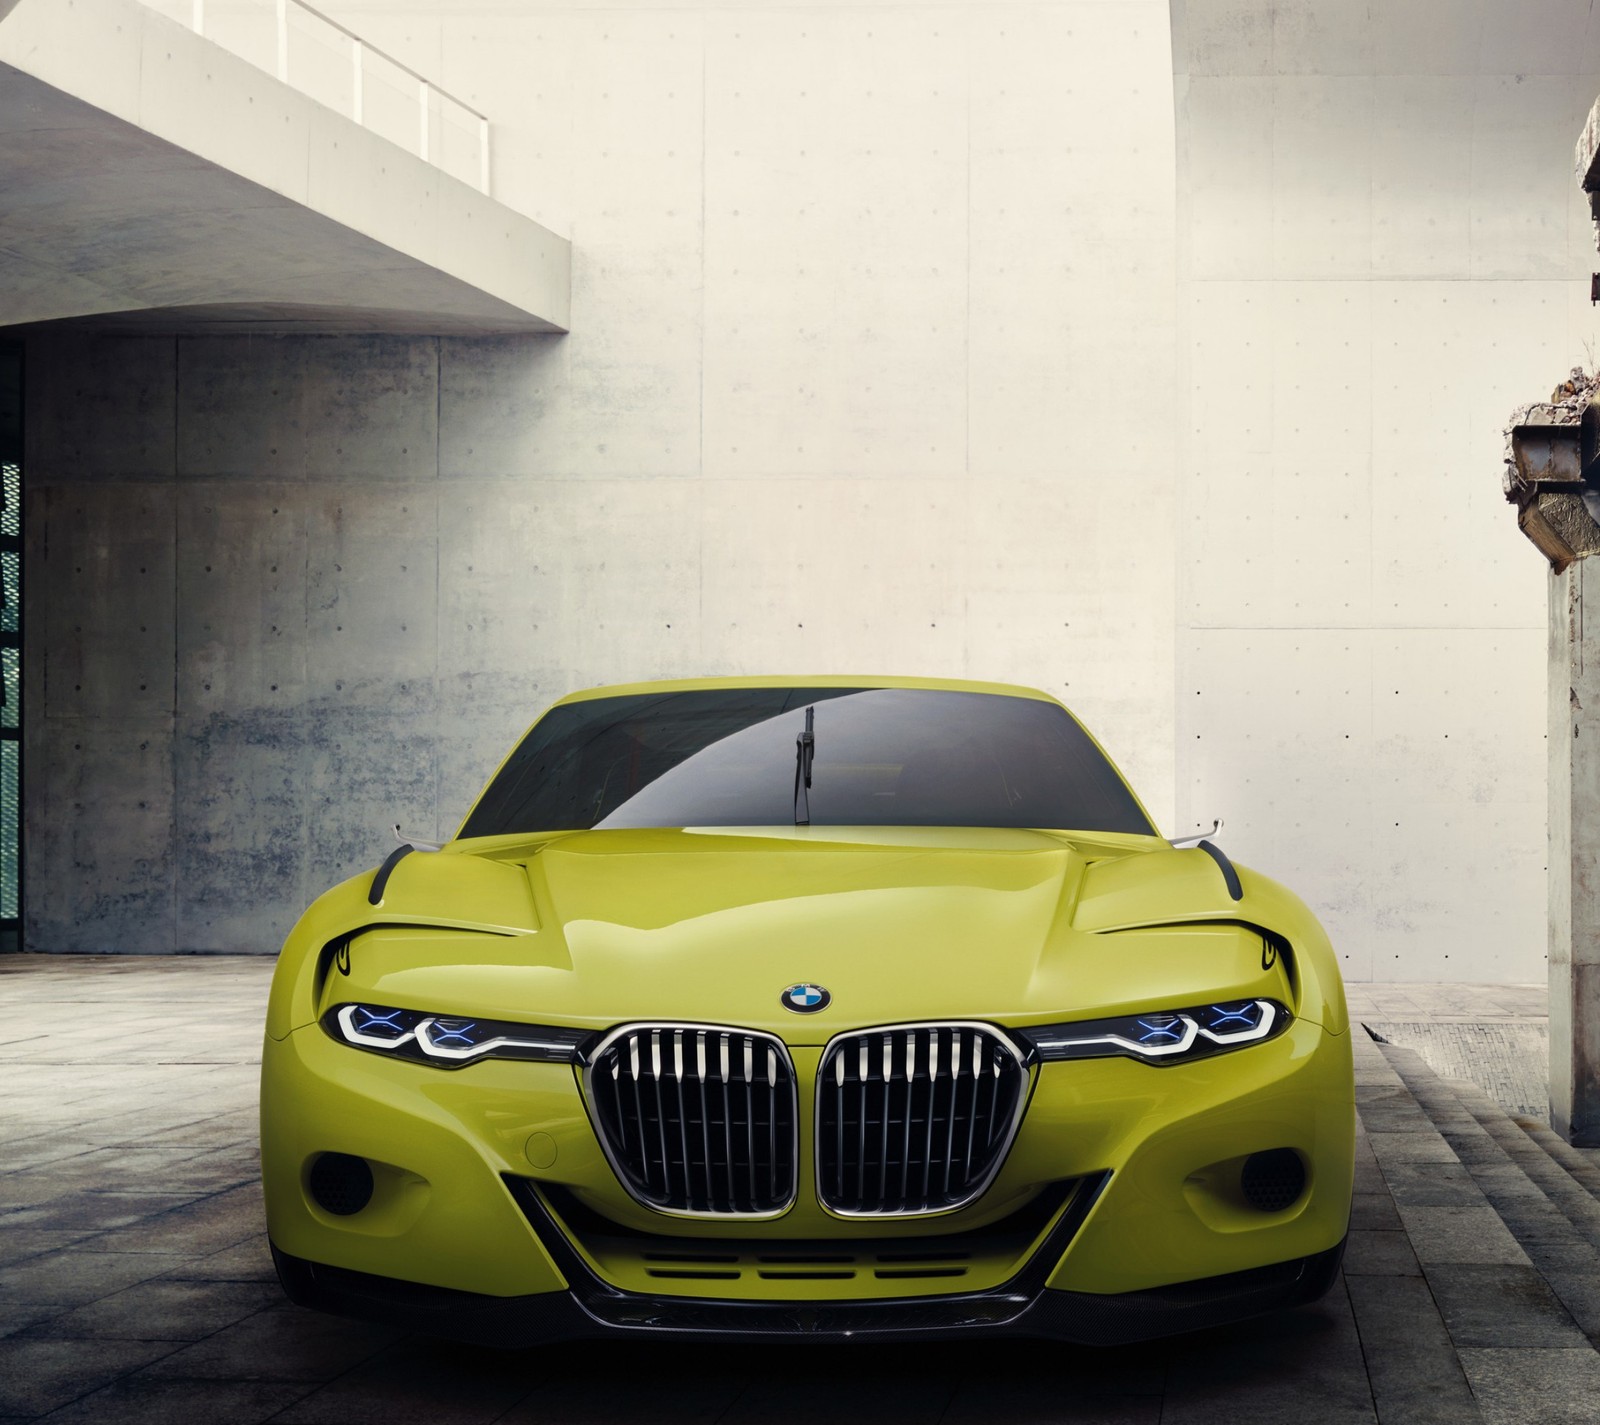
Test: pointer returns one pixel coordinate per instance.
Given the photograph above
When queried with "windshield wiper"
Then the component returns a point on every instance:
(805, 750)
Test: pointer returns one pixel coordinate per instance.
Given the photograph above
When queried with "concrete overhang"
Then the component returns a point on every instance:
(152, 180)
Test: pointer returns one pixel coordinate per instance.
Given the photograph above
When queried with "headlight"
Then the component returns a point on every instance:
(1171, 1036)
(447, 1041)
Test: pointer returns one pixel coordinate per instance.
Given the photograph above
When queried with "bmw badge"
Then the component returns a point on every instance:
(805, 999)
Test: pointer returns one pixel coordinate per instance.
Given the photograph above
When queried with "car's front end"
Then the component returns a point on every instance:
(833, 1081)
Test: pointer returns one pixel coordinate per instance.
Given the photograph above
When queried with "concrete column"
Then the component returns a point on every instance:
(1575, 855)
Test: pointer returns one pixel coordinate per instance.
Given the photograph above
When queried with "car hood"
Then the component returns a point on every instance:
(597, 928)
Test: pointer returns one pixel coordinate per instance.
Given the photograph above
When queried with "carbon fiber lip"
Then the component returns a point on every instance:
(1016, 1310)
(610, 1306)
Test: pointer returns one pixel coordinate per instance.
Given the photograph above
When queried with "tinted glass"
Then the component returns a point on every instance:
(883, 757)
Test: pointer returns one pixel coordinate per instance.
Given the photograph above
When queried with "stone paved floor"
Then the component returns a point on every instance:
(1496, 1036)
(135, 1283)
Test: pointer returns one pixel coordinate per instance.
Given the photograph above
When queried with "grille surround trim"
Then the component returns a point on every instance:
(1002, 1151)
(591, 1061)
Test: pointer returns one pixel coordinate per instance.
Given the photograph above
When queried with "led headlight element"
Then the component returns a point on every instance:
(449, 1042)
(1172, 1036)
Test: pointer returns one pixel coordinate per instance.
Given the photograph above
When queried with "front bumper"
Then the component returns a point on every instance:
(1024, 1306)
(457, 1240)
(592, 1309)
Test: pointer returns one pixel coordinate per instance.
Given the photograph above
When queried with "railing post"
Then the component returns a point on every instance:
(423, 88)
(283, 41)
(199, 17)
(356, 49)
(483, 155)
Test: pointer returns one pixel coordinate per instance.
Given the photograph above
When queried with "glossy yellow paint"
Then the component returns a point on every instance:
(592, 929)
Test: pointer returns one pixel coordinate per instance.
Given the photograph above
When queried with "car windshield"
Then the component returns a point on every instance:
(881, 757)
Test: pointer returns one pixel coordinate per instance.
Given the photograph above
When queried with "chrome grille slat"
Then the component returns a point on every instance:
(923, 1131)
(679, 1145)
(972, 1118)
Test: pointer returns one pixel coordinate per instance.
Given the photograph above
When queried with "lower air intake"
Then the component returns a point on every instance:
(697, 1120)
(1273, 1181)
(341, 1184)
(915, 1119)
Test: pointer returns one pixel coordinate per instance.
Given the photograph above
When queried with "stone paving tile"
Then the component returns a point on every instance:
(1411, 1362)
(1375, 1211)
(17, 1317)
(1397, 1114)
(1533, 1387)
(280, 1343)
(1506, 1059)
(1370, 1253)
(1579, 1291)
(36, 1376)
(1538, 1222)
(1369, 1182)
(39, 1150)
(1503, 1177)
(216, 1132)
(650, 1390)
(217, 1169)
(1421, 1145)
(1045, 1403)
(95, 1169)
(1471, 1233)
(1298, 1366)
(206, 1225)
(143, 1400)
(418, 1382)
(1431, 1185)
(71, 1277)
(17, 1244)
(1367, 1075)
(1575, 1161)
(122, 1130)
(162, 1310)
(250, 1261)
(1501, 1306)
(92, 1212)
(906, 1382)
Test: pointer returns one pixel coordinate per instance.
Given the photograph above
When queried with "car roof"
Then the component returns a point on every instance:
(828, 680)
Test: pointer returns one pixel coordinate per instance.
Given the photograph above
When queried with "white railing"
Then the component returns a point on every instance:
(333, 64)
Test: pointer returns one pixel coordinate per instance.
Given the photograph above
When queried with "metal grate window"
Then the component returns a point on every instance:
(10, 645)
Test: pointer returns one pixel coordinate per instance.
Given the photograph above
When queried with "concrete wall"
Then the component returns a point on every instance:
(872, 337)
(1382, 252)
(147, 170)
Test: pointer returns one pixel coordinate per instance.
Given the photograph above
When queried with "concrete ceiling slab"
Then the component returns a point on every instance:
(154, 181)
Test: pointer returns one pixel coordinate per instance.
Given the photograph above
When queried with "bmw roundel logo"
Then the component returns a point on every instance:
(805, 999)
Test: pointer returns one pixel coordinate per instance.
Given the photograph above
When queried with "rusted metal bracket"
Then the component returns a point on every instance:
(1551, 453)
(1552, 473)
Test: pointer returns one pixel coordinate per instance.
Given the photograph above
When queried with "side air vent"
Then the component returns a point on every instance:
(697, 1120)
(916, 1118)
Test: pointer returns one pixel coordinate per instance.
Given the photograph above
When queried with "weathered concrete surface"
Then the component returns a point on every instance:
(845, 328)
(325, 579)
(1574, 879)
(155, 179)
(1382, 253)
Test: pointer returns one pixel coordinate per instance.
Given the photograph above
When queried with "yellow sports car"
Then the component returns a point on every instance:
(828, 1007)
